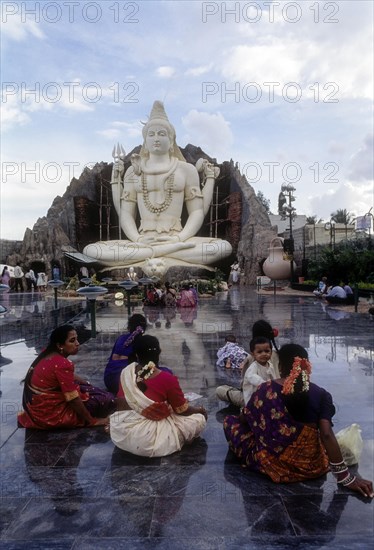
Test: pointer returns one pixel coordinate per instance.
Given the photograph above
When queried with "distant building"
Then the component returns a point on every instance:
(309, 239)
(284, 224)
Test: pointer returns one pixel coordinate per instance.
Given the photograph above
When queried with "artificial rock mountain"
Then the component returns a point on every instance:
(85, 214)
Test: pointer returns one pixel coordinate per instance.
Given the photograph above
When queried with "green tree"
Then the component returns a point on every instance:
(351, 261)
(311, 220)
(342, 216)
(264, 201)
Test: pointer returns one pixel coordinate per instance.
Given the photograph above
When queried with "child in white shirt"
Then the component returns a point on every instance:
(261, 370)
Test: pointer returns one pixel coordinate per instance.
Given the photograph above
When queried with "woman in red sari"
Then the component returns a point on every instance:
(157, 419)
(285, 429)
(54, 397)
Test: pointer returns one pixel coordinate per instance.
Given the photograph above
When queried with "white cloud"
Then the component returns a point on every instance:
(131, 129)
(198, 71)
(361, 165)
(356, 198)
(12, 114)
(275, 60)
(110, 133)
(165, 71)
(14, 28)
(304, 58)
(211, 131)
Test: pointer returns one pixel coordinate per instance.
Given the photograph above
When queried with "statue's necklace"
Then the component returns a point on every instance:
(169, 195)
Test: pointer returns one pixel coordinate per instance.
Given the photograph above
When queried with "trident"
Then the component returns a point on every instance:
(118, 153)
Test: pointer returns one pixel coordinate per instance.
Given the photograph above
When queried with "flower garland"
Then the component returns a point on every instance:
(300, 367)
(146, 371)
(133, 335)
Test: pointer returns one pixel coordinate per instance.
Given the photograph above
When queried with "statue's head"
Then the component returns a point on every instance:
(157, 118)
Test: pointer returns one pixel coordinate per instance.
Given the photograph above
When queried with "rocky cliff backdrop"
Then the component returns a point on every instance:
(85, 214)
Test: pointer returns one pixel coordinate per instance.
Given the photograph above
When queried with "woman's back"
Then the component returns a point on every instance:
(317, 405)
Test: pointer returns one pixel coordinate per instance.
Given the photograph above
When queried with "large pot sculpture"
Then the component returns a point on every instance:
(277, 265)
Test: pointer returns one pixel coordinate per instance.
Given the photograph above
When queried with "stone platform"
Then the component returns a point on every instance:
(73, 490)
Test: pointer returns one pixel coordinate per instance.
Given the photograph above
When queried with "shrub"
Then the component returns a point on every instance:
(350, 260)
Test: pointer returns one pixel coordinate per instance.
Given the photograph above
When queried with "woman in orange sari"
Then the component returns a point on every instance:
(157, 419)
(54, 397)
(285, 431)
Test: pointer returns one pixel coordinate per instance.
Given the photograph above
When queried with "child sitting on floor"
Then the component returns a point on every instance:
(231, 355)
(261, 369)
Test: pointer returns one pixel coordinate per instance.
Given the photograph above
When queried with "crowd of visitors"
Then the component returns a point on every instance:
(283, 425)
(335, 292)
(18, 281)
(283, 422)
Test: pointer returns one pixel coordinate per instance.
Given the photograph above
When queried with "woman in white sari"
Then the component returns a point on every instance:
(157, 419)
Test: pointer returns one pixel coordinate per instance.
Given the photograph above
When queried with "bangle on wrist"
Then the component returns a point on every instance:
(347, 480)
(337, 468)
(341, 475)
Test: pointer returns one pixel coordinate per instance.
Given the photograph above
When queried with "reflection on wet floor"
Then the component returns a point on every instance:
(74, 489)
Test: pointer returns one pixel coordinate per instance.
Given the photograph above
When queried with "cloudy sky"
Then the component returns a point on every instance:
(283, 88)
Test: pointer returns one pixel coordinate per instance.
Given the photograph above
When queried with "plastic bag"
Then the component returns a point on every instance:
(350, 443)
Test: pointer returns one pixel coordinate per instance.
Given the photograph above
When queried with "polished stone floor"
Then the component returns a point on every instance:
(74, 490)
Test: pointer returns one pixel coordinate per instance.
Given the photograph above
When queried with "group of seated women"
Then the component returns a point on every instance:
(283, 431)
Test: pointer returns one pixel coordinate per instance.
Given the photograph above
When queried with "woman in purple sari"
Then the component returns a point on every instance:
(285, 430)
(123, 352)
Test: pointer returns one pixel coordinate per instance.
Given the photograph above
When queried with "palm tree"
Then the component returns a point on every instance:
(311, 220)
(342, 216)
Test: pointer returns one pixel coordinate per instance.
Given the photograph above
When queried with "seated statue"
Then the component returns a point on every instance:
(157, 185)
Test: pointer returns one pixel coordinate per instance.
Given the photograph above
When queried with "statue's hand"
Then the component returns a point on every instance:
(168, 239)
(146, 239)
(118, 170)
(207, 169)
(155, 239)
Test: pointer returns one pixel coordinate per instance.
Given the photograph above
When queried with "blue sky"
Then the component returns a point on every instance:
(97, 67)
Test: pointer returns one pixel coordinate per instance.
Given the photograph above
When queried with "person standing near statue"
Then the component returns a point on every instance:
(56, 273)
(234, 278)
(157, 185)
(30, 280)
(5, 276)
(18, 276)
(41, 282)
(83, 271)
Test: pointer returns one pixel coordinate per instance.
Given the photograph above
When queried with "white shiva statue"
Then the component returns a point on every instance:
(157, 185)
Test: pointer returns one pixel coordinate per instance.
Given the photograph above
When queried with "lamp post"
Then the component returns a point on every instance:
(55, 284)
(289, 211)
(128, 286)
(91, 293)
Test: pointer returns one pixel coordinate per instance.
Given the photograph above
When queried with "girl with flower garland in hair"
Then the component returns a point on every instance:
(285, 429)
(156, 418)
(123, 352)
